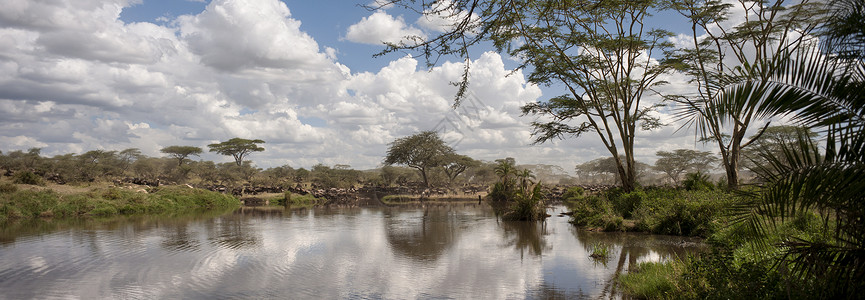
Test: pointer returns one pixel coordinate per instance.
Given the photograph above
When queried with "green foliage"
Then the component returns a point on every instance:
(502, 191)
(626, 203)
(181, 152)
(651, 280)
(697, 181)
(689, 213)
(732, 86)
(422, 151)
(237, 148)
(27, 204)
(337, 177)
(600, 251)
(733, 269)
(574, 193)
(27, 177)
(528, 205)
(596, 212)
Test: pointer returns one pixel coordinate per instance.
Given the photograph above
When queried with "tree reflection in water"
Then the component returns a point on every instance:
(526, 235)
(235, 231)
(425, 237)
(632, 248)
(177, 238)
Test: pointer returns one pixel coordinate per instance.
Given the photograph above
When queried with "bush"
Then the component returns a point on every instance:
(574, 193)
(596, 211)
(689, 213)
(502, 191)
(698, 181)
(6, 187)
(27, 177)
(625, 204)
(527, 206)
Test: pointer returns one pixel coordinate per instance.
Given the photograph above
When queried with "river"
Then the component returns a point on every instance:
(460, 251)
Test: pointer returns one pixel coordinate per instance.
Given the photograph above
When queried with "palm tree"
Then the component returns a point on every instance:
(824, 92)
(505, 169)
(526, 178)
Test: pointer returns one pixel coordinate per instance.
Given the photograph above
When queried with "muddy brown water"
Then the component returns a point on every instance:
(442, 251)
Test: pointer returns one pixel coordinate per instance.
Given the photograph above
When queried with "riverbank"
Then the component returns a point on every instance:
(739, 263)
(657, 210)
(23, 202)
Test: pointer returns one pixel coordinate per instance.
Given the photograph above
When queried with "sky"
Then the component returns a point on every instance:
(81, 75)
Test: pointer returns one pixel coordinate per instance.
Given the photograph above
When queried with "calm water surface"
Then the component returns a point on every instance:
(448, 251)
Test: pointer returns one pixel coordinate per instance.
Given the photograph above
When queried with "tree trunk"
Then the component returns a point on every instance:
(626, 176)
(423, 174)
(732, 169)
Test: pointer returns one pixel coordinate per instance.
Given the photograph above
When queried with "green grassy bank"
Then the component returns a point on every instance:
(740, 263)
(659, 211)
(21, 203)
(739, 266)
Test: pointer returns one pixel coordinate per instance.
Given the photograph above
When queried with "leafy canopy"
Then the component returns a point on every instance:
(180, 152)
(237, 147)
(422, 151)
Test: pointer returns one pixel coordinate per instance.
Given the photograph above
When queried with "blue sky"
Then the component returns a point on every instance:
(81, 75)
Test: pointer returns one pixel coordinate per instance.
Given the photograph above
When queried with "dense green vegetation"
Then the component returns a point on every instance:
(732, 269)
(516, 194)
(657, 210)
(23, 203)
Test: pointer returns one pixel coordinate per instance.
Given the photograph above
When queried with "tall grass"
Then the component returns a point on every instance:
(651, 280)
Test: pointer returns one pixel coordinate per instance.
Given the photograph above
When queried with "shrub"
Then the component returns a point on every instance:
(690, 213)
(574, 193)
(6, 187)
(527, 206)
(502, 191)
(625, 204)
(27, 177)
(596, 211)
(698, 181)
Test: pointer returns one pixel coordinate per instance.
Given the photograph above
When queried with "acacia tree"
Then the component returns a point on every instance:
(456, 164)
(598, 166)
(181, 152)
(422, 151)
(720, 51)
(675, 163)
(599, 51)
(127, 157)
(772, 141)
(237, 148)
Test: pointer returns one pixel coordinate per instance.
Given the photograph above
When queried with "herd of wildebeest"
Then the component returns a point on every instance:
(365, 193)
